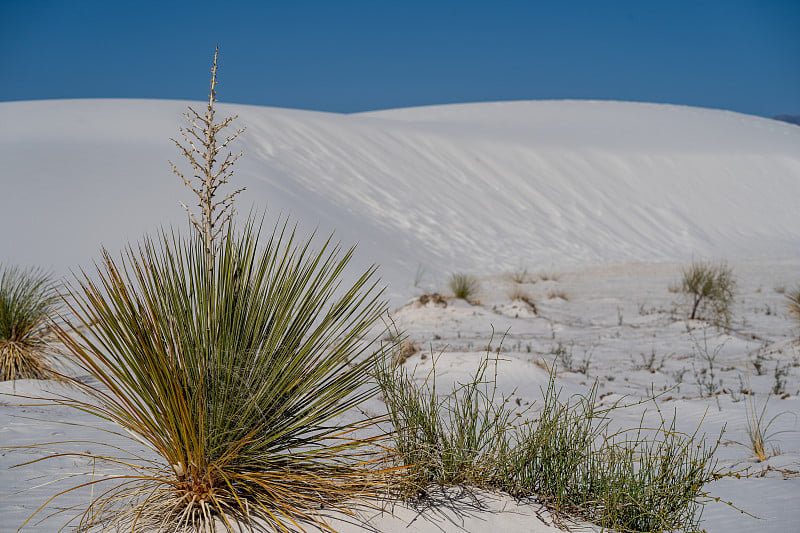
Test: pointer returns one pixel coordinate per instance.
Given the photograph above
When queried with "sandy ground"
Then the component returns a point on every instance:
(617, 324)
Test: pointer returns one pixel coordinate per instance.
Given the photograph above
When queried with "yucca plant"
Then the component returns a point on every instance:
(242, 416)
(28, 297)
(232, 361)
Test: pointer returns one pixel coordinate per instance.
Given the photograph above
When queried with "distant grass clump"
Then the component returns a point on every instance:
(793, 303)
(554, 294)
(631, 480)
(710, 289)
(519, 295)
(463, 286)
(28, 298)
(520, 276)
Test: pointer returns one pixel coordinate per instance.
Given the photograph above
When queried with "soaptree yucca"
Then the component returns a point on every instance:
(27, 299)
(237, 358)
(242, 416)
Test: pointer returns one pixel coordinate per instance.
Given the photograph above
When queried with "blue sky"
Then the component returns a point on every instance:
(349, 56)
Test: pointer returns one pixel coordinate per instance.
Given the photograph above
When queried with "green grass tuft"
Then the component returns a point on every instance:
(632, 480)
(793, 303)
(464, 286)
(28, 298)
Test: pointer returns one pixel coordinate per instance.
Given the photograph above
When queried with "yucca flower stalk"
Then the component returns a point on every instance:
(28, 297)
(242, 417)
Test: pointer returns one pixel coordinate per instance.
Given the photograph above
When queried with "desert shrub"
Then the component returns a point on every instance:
(28, 298)
(710, 289)
(633, 480)
(241, 415)
(464, 286)
(793, 303)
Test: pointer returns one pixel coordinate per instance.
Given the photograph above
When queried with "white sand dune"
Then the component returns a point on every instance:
(480, 187)
(613, 196)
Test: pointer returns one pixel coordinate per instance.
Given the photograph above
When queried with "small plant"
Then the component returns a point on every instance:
(453, 439)
(706, 375)
(710, 289)
(407, 349)
(780, 375)
(759, 362)
(549, 276)
(28, 298)
(632, 480)
(557, 294)
(520, 276)
(650, 362)
(793, 303)
(519, 295)
(563, 357)
(758, 429)
(464, 286)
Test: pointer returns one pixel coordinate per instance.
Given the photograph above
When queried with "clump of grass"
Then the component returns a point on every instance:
(793, 303)
(710, 289)
(520, 276)
(562, 355)
(463, 285)
(557, 294)
(632, 480)
(519, 295)
(549, 276)
(453, 439)
(758, 429)
(28, 298)
(241, 414)
(407, 349)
